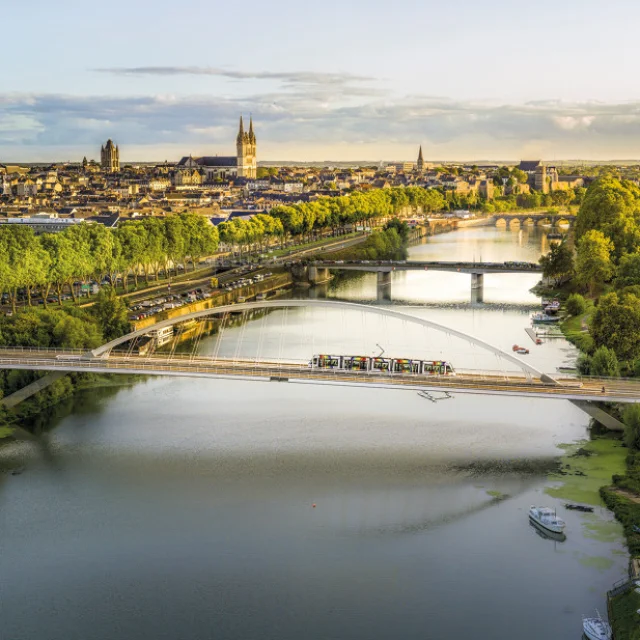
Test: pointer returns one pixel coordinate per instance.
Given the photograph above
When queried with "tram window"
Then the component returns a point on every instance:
(380, 364)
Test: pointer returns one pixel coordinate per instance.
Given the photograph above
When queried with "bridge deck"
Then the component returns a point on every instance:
(498, 383)
(400, 265)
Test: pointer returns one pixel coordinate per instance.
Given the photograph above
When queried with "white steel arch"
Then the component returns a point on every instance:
(331, 304)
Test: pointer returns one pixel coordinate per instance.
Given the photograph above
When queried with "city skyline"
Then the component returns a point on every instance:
(489, 82)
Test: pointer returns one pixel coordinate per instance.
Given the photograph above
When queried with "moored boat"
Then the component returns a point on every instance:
(578, 507)
(544, 317)
(546, 518)
(596, 628)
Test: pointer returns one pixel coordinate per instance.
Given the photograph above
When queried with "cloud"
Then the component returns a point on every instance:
(310, 118)
(286, 77)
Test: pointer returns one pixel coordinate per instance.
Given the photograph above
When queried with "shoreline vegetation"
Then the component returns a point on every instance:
(596, 272)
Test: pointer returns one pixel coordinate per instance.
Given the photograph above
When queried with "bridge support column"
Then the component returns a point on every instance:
(477, 287)
(318, 274)
(611, 423)
(384, 286)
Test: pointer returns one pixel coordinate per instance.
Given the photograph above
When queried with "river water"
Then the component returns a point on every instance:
(188, 508)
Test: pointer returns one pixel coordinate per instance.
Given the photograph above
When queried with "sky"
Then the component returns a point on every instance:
(338, 80)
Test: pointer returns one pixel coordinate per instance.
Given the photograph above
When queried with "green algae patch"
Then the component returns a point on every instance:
(600, 563)
(602, 530)
(585, 467)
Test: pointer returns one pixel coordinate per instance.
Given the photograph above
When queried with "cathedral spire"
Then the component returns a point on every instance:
(420, 160)
(240, 137)
(252, 135)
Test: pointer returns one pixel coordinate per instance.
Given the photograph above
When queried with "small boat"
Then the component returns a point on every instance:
(636, 528)
(538, 341)
(260, 297)
(578, 507)
(241, 299)
(544, 317)
(596, 628)
(522, 351)
(547, 519)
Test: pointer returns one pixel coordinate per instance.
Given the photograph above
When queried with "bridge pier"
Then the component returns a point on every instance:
(477, 287)
(383, 279)
(317, 275)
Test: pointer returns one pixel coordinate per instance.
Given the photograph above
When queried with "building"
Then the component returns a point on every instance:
(420, 165)
(110, 157)
(243, 165)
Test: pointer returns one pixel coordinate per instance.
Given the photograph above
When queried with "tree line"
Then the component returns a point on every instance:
(84, 252)
(602, 268)
(302, 220)
(53, 262)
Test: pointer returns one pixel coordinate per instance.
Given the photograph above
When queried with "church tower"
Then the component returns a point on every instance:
(420, 161)
(110, 158)
(246, 150)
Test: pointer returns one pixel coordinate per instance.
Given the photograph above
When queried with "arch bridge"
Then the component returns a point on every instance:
(553, 219)
(119, 356)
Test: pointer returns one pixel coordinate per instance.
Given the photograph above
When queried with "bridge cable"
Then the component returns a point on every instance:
(218, 343)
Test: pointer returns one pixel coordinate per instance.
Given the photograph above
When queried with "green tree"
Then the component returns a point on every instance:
(576, 304)
(616, 324)
(557, 265)
(604, 363)
(593, 260)
(628, 271)
(111, 313)
(401, 227)
(612, 207)
(631, 419)
(73, 333)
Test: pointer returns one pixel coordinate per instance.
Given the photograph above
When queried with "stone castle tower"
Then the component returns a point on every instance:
(110, 157)
(246, 147)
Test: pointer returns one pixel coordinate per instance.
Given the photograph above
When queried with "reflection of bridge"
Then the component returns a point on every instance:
(118, 356)
(318, 271)
(534, 218)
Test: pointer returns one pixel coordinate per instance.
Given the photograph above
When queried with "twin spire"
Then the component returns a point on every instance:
(248, 137)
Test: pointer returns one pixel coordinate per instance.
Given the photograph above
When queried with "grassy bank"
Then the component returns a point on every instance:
(624, 616)
(575, 329)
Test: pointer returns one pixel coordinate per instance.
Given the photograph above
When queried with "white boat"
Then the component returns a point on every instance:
(544, 317)
(596, 628)
(547, 519)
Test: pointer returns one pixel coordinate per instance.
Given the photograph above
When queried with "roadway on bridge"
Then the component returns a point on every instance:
(404, 265)
(496, 383)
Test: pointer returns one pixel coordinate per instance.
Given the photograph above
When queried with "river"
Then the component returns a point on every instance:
(188, 508)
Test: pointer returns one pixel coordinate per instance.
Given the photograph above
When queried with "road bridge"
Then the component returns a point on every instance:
(553, 219)
(119, 357)
(318, 271)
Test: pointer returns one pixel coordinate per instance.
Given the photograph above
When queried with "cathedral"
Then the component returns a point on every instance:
(243, 165)
(110, 157)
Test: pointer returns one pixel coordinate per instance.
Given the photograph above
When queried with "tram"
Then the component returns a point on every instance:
(382, 365)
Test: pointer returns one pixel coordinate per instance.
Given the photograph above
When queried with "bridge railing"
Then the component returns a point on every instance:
(53, 350)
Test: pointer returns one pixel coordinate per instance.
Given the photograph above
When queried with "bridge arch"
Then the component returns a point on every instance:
(330, 304)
